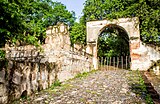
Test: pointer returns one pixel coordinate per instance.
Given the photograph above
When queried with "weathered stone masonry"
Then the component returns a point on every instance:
(30, 69)
(141, 55)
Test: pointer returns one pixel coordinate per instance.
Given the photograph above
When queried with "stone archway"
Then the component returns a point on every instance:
(130, 25)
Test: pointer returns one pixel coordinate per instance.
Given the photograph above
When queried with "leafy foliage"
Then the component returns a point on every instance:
(25, 21)
(78, 33)
(57, 83)
(111, 43)
(84, 74)
(2, 54)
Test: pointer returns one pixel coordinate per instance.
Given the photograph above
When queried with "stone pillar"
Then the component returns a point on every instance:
(89, 49)
(134, 45)
(140, 58)
(92, 49)
(95, 58)
(34, 77)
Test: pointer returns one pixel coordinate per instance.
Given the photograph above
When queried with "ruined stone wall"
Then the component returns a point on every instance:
(153, 53)
(73, 63)
(31, 68)
(147, 55)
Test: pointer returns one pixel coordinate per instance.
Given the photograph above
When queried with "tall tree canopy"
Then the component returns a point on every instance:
(148, 12)
(25, 21)
(78, 33)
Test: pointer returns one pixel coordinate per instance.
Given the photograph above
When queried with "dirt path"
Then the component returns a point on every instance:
(100, 87)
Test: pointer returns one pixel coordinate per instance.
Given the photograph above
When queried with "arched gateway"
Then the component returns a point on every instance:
(130, 25)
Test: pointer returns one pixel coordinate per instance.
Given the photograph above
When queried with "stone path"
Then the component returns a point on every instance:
(99, 87)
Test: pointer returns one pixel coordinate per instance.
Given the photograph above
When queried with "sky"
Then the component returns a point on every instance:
(73, 5)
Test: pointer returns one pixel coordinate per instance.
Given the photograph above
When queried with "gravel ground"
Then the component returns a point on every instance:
(99, 87)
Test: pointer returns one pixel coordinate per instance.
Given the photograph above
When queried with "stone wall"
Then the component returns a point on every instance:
(153, 57)
(147, 55)
(31, 68)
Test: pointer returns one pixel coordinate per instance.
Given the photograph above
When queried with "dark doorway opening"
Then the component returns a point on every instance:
(113, 48)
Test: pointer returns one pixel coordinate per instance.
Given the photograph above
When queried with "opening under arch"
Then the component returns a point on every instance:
(113, 47)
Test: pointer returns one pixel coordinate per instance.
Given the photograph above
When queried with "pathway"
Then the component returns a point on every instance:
(99, 87)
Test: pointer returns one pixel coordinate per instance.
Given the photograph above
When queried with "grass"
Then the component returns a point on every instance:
(84, 74)
(55, 84)
(80, 75)
(138, 86)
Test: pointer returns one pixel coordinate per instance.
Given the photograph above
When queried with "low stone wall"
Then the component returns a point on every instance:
(28, 73)
(72, 64)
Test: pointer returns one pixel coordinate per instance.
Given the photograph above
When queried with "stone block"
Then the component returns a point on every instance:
(23, 87)
(40, 85)
(3, 100)
(65, 75)
(156, 70)
(43, 60)
(33, 76)
(10, 64)
(45, 84)
(28, 87)
(51, 77)
(17, 78)
(3, 90)
(51, 80)
(135, 56)
(43, 76)
(48, 40)
(62, 28)
(34, 85)
(2, 76)
(16, 94)
(135, 45)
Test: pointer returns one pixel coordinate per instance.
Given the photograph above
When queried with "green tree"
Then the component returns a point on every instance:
(113, 42)
(78, 34)
(25, 21)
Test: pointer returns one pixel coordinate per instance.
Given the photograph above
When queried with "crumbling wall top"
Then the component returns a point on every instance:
(59, 28)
